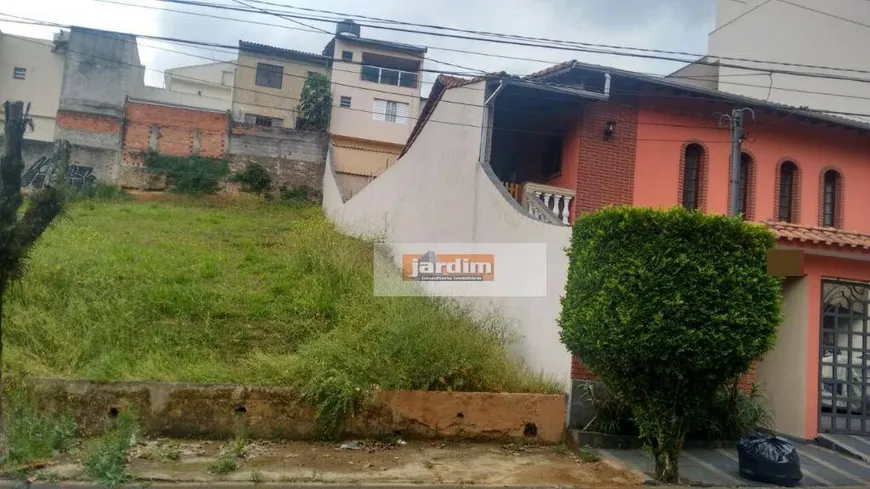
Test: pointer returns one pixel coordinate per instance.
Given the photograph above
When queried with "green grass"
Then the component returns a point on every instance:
(245, 292)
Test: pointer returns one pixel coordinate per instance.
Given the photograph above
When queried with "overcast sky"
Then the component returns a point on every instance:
(660, 24)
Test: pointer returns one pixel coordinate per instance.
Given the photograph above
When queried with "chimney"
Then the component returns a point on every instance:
(347, 27)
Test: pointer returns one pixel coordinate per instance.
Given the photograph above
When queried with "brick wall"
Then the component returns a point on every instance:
(605, 173)
(173, 131)
(81, 121)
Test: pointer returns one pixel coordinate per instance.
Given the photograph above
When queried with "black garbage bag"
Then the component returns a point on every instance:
(770, 459)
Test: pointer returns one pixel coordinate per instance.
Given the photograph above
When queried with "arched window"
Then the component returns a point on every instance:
(788, 181)
(692, 162)
(744, 198)
(832, 188)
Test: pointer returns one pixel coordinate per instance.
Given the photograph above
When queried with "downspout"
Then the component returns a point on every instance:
(497, 91)
(607, 85)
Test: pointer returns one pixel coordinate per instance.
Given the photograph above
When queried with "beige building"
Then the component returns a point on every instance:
(211, 80)
(376, 100)
(32, 70)
(269, 81)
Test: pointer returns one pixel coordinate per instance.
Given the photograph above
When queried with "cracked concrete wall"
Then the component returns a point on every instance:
(218, 411)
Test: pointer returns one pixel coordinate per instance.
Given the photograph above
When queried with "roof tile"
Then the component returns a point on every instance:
(820, 236)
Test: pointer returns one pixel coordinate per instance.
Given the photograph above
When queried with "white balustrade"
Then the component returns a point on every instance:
(556, 200)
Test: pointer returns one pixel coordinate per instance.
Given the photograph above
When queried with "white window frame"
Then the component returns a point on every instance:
(383, 81)
(390, 111)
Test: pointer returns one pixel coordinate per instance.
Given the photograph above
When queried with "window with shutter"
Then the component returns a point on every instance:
(379, 110)
(390, 111)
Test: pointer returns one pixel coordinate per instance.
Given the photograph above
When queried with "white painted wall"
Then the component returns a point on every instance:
(357, 122)
(42, 82)
(439, 191)
(773, 30)
(213, 80)
(782, 373)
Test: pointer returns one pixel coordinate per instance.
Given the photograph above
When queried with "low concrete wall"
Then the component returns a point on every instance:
(217, 411)
(292, 158)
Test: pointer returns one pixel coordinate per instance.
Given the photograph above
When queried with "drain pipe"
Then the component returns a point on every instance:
(497, 91)
(607, 85)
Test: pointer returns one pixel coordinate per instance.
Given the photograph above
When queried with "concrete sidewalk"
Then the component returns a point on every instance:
(718, 467)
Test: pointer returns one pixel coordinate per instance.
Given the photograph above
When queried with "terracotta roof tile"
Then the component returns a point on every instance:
(552, 69)
(831, 237)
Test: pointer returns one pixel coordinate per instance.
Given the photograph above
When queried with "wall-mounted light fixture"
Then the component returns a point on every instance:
(609, 128)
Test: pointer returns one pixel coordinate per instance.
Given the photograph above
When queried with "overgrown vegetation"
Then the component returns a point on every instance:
(254, 179)
(194, 175)
(97, 191)
(105, 458)
(665, 307)
(315, 103)
(31, 435)
(210, 290)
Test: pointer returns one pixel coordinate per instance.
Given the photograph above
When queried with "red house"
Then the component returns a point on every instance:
(575, 137)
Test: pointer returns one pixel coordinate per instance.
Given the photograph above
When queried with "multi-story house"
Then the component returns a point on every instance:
(801, 32)
(502, 159)
(269, 81)
(31, 70)
(210, 80)
(376, 100)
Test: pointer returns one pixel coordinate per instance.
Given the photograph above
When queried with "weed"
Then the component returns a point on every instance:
(586, 456)
(45, 475)
(105, 458)
(162, 453)
(97, 191)
(224, 465)
(561, 449)
(205, 290)
(256, 477)
(31, 435)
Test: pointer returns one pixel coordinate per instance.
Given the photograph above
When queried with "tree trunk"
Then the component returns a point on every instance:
(667, 466)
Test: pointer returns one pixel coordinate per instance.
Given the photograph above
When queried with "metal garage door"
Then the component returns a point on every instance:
(845, 392)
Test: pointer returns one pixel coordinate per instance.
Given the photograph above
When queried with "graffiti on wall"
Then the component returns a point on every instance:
(39, 174)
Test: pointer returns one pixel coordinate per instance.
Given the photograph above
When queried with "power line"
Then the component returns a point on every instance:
(561, 44)
(217, 45)
(361, 110)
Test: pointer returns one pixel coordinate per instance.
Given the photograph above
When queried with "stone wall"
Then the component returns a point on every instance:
(292, 158)
(218, 411)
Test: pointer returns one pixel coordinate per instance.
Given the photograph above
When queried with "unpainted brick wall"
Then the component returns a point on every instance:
(88, 122)
(292, 158)
(177, 131)
(605, 173)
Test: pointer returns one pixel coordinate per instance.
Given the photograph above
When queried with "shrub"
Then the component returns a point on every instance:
(188, 174)
(254, 179)
(665, 307)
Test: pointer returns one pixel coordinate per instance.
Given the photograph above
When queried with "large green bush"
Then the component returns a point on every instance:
(193, 175)
(665, 307)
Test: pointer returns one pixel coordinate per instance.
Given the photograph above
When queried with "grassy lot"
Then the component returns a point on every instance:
(202, 291)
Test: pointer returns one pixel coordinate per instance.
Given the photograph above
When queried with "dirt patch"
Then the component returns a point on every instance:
(414, 462)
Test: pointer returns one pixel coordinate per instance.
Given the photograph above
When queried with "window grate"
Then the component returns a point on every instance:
(19, 73)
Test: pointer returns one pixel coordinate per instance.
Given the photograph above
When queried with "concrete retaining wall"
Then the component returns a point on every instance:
(217, 411)
(292, 158)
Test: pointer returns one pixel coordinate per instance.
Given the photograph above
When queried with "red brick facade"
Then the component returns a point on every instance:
(88, 122)
(179, 132)
(606, 169)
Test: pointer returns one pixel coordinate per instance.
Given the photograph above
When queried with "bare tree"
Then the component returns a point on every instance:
(18, 234)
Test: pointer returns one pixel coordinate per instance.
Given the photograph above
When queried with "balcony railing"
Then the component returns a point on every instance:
(387, 76)
(543, 202)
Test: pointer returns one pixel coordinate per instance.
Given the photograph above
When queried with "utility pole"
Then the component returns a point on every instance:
(737, 135)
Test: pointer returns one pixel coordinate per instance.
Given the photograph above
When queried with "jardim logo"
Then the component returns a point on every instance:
(468, 267)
